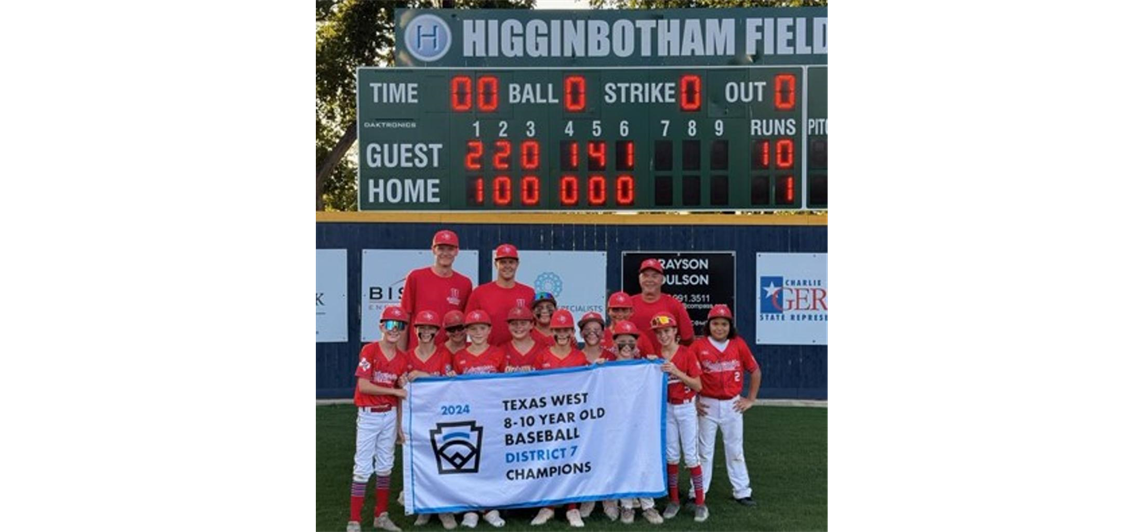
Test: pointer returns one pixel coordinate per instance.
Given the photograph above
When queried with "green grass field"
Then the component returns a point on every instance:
(786, 458)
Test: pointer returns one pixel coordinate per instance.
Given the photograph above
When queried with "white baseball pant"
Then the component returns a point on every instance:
(645, 503)
(683, 424)
(376, 436)
(721, 415)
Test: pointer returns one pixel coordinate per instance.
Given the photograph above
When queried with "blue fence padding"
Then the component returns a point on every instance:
(789, 371)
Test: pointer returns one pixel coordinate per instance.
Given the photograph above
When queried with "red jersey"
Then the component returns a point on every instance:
(425, 290)
(685, 360)
(497, 301)
(437, 365)
(550, 361)
(642, 313)
(517, 361)
(649, 345)
(606, 355)
(491, 361)
(383, 372)
(723, 371)
(542, 339)
(451, 353)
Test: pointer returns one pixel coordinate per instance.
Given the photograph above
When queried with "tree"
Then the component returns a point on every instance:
(353, 33)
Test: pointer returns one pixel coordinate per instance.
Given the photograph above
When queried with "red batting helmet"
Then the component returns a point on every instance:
(394, 312)
(427, 317)
(478, 316)
(562, 319)
(589, 317)
(518, 314)
(505, 251)
(620, 300)
(625, 327)
(719, 311)
(447, 238)
(662, 321)
(454, 318)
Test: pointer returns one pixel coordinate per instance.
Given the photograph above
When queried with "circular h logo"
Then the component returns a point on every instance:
(427, 37)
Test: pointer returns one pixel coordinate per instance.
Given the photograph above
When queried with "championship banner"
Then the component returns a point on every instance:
(520, 440)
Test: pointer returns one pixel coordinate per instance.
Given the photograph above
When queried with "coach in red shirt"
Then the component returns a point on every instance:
(652, 301)
(437, 287)
(499, 296)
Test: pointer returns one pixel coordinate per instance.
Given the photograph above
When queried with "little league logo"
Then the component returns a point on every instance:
(772, 300)
(457, 446)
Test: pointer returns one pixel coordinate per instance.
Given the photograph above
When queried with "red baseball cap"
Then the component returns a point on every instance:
(663, 321)
(427, 317)
(447, 238)
(562, 319)
(625, 327)
(719, 311)
(519, 314)
(591, 316)
(393, 312)
(651, 264)
(478, 316)
(620, 300)
(505, 251)
(454, 318)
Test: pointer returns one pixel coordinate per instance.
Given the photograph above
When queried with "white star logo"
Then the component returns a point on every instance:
(772, 289)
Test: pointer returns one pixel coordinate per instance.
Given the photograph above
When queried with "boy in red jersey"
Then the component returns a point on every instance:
(619, 309)
(456, 337)
(543, 307)
(592, 331)
(479, 358)
(498, 296)
(652, 301)
(523, 351)
(438, 287)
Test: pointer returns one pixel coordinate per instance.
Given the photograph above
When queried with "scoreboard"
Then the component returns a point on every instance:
(592, 139)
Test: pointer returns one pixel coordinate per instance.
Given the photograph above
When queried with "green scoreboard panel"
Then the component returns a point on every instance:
(592, 139)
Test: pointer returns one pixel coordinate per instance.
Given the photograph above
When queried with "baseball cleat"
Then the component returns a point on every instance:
(385, 523)
(448, 521)
(493, 517)
(543, 516)
(671, 510)
(700, 513)
(628, 516)
(470, 520)
(690, 504)
(353, 526)
(611, 510)
(422, 519)
(574, 519)
(746, 501)
(586, 508)
(653, 516)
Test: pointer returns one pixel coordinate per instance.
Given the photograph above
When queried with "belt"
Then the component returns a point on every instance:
(385, 408)
(683, 402)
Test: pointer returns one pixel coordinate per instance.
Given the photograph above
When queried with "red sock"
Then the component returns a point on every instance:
(573, 506)
(673, 482)
(357, 499)
(697, 483)
(382, 496)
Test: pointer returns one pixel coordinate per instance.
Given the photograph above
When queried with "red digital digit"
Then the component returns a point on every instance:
(784, 92)
(487, 97)
(530, 155)
(473, 157)
(690, 93)
(788, 186)
(569, 190)
(764, 154)
(625, 190)
(597, 155)
(625, 155)
(503, 155)
(597, 190)
(462, 88)
(574, 93)
(530, 190)
(574, 156)
(784, 153)
(479, 191)
(502, 190)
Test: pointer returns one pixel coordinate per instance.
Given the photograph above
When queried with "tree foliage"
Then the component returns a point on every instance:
(669, 4)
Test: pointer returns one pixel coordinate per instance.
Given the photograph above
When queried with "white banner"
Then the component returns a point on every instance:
(520, 440)
(383, 274)
(578, 279)
(333, 321)
(790, 298)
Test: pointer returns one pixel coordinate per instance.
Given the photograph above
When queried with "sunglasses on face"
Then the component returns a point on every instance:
(544, 295)
(455, 330)
(660, 320)
(623, 345)
(393, 325)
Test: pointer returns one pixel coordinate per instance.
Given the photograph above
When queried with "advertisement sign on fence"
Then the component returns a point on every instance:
(698, 279)
(578, 279)
(383, 274)
(333, 322)
(790, 298)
